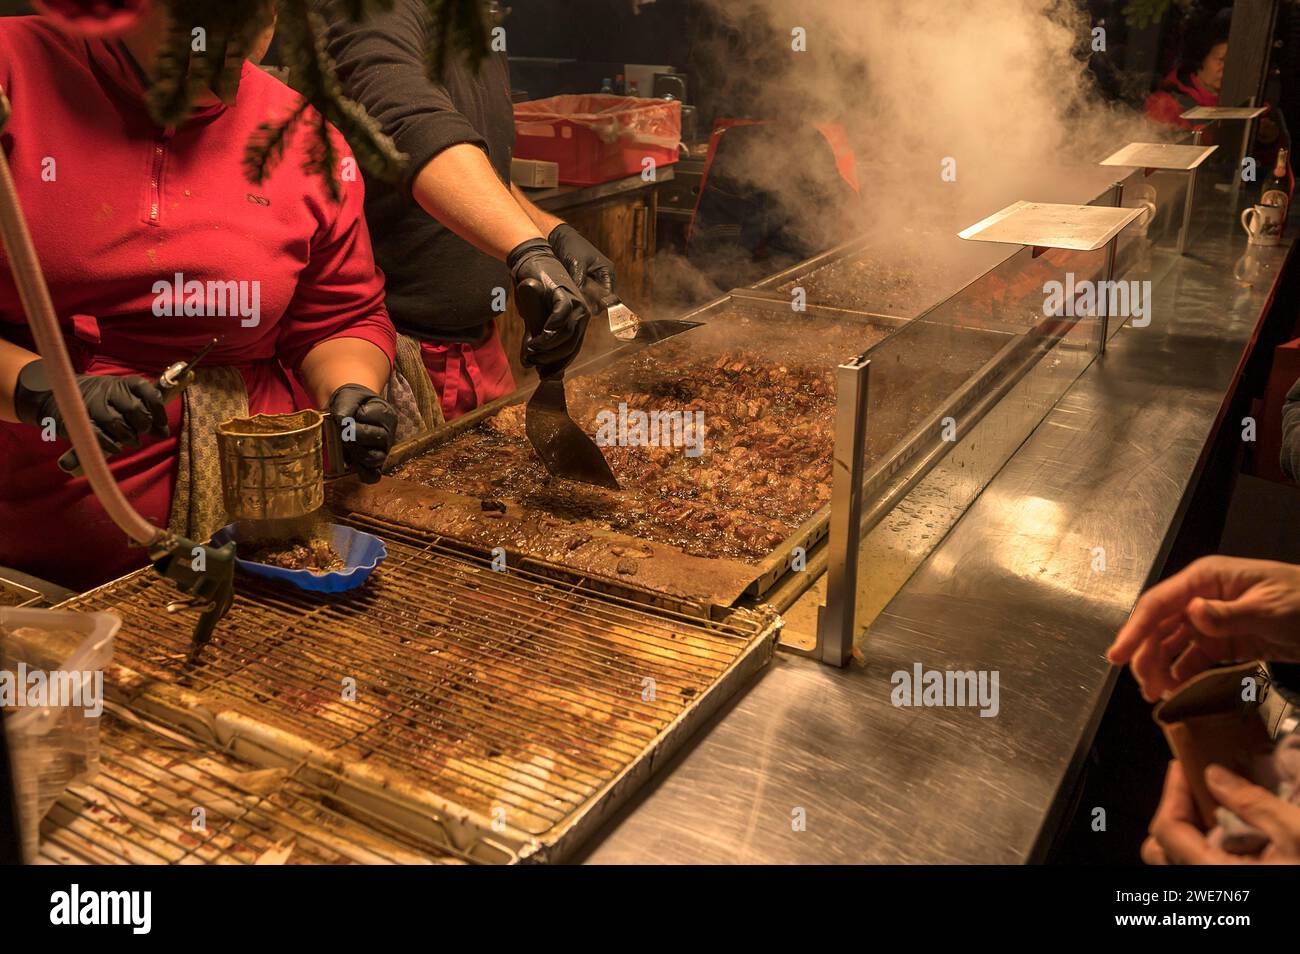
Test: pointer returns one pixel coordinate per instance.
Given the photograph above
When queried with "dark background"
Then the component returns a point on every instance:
(586, 41)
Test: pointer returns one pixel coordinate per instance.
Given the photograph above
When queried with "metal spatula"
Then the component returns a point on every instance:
(623, 321)
(565, 449)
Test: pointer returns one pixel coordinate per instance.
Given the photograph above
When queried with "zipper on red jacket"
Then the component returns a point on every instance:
(155, 177)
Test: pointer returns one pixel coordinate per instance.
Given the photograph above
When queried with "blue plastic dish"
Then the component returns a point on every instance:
(361, 553)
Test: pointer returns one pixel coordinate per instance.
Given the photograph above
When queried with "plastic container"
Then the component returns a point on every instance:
(52, 746)
(361, 554)
(595, 138)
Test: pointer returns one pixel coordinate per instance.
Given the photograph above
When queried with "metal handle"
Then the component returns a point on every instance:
(595, 291)
(331, 430)
(531, 303)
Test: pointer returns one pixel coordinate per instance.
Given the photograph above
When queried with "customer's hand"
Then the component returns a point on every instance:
(564, 310)
(1219, 609)
(1176, 837)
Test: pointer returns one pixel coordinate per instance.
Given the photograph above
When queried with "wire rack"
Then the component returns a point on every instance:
(160, 798)
(519, 698)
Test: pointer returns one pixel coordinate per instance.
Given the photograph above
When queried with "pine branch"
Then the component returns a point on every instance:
(266, 149)
(230, 27)
(244, 22)
(1144, 13)
(324, 158)
(171, 91)
(459, 25)
(313, 74)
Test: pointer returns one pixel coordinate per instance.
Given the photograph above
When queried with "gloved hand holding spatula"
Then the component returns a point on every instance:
(563, 447)
(557, 338)
(587, 265)
(594, 273)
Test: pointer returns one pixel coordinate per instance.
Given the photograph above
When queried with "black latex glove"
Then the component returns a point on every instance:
(121, 408)
(374, 431)
(583, 260)
(566, 310)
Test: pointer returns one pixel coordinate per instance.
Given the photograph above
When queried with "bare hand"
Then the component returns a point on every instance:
(1176, 837)
(1219, 609)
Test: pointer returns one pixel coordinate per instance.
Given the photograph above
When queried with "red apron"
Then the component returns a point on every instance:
(467, 375)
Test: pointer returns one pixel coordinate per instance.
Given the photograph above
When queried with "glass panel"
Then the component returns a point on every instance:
(953, 393)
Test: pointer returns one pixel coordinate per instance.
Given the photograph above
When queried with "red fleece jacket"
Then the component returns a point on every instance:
(1167, 104)
(118, 208)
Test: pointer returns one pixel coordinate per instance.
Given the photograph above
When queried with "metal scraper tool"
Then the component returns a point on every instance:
(565, 449)
(171, 384)
(623, 321)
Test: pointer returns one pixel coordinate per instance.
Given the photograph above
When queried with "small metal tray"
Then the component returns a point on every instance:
(1169, 156)
(1211, 113)
(1082, 228)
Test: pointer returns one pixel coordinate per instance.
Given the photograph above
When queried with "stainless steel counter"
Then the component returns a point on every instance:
(1013, 589)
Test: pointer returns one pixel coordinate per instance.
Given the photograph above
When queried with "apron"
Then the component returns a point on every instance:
(466, 374)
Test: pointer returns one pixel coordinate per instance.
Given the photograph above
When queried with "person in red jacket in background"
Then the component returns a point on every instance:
(129, 219)
(1195, 81)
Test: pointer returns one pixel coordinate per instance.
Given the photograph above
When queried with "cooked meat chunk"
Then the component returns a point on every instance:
(314, 555)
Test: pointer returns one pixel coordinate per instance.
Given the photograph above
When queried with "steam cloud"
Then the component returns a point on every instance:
(1000, 86)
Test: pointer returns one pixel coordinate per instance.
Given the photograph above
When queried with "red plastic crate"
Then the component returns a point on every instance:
(595, 138)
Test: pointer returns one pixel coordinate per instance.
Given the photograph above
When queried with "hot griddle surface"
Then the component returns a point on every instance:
(766, 387)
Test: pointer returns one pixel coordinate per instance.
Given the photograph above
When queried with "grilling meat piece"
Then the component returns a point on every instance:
(315, 555)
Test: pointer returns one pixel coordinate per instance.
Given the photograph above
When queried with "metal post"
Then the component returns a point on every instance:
(1246, 127)
(1111, 247)
(837, 620)
(1103, 300)
(1187, 202)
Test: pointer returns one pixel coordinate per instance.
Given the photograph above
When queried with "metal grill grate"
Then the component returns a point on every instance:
(154, 784)
(514, 696)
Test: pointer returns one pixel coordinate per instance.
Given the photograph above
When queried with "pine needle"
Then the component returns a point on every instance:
(459, 26)
(266, 148)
